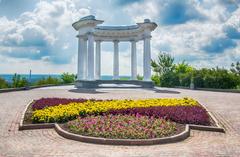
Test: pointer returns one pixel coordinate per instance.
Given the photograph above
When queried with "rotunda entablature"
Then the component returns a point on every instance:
(109, 33)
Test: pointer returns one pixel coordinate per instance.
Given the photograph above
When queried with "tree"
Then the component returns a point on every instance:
(183, 67)
(184, 72)
(19, 81)
(68, 78)
(235, 68)
(164, 64)
(168, 74)
(163, 67)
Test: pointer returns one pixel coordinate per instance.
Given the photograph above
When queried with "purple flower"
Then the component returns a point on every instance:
(45, 102)
(180, 114)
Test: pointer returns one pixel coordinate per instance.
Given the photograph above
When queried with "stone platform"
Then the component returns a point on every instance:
(111, 83)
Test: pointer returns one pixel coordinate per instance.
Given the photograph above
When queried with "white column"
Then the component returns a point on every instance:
(85, 59)
(90, 75)
(133, 61)
(98, 61)
(116, 60)
(80, 68)
(147, 59)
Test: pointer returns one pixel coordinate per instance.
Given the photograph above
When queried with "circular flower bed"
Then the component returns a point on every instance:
(122, 126)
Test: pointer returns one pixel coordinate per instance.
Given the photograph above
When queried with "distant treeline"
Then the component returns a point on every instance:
(19, 81)
(168, 74)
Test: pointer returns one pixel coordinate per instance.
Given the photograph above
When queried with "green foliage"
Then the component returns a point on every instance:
(156, 79)
(184, 79)
(169, 79)
(139, 77)
(183, 68)
(235, 68)
(48, 81)
(19, 81)
(164, 64)
(216, 78)
(168, 74)
(124, 78)
(65, 78)
(163, 67)
(68, 78)
(3, 83)
(184, 73)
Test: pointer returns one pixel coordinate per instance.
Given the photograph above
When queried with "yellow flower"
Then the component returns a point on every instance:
(72, 110)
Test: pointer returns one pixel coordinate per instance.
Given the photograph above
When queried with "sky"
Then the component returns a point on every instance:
(37, 34)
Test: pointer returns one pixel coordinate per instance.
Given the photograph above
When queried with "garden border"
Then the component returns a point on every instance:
(206, 89)
(5, 90)
(97, 140)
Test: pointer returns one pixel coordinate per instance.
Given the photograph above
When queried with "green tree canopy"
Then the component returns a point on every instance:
(68, 78)
(163, 64)
(235, 68)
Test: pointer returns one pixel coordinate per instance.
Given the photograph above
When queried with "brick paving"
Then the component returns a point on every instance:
(46, 142)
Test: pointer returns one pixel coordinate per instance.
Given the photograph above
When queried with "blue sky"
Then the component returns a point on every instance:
(37, 34)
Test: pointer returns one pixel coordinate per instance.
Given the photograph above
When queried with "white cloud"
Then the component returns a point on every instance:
(234, 20)
(42, 32)
(185, 41)
(44, 36)
(140, 11)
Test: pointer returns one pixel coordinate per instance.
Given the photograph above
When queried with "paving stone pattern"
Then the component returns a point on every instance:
(46, 142)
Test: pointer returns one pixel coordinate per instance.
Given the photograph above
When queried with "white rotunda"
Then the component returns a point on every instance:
(90, 32)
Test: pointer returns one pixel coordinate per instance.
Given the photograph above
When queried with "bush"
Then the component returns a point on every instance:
(215, 78)
(68, 78)
(124, 78)
(182, 74)
(184, 79)
(3, 83)
(48, 81)
(19, 81)
(169, 79)
(139, 77)
(156, 79)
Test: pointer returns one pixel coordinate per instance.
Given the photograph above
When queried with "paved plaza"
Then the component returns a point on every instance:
(46, 142)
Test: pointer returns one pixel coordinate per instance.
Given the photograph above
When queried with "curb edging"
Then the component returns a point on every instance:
(6, 90)
(219, 128)
(97, 140)
(32, 126)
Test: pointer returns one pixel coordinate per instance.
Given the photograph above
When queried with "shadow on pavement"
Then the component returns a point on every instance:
(88, 91)
(95, 91)
(164, 91)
